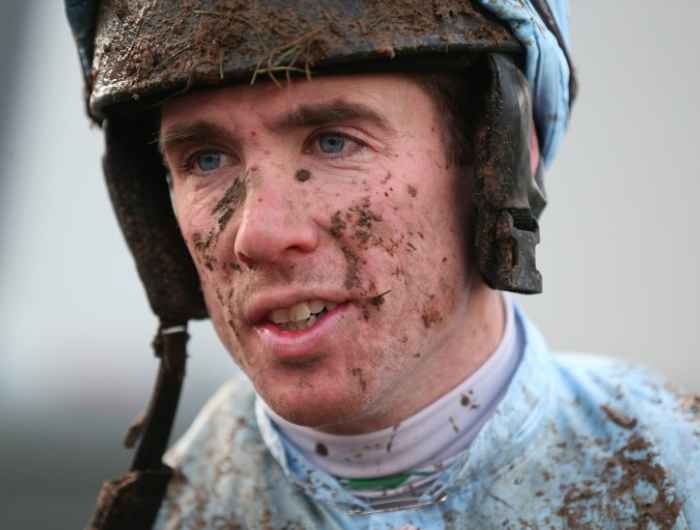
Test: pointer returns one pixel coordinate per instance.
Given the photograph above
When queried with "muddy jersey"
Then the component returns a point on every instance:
(576, 442)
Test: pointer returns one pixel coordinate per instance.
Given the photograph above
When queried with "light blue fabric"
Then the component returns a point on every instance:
(546, 67)
(576, 442)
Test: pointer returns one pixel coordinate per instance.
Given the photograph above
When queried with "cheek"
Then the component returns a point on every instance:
(191, 214)
(219, 304)
(200, 227)
(427, 251)
(428, 273)
(438, 266)
(402, 235)
(203, 215)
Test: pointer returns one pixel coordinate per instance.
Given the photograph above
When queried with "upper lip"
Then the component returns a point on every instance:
(262, 304)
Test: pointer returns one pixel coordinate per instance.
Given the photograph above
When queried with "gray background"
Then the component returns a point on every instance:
(619, 248)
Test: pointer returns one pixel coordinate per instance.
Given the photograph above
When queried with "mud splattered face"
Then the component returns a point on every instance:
(324, 222)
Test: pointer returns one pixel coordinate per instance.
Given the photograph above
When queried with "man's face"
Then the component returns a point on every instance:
(334, 200)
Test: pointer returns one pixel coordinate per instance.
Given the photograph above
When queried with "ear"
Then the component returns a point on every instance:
(508, 194)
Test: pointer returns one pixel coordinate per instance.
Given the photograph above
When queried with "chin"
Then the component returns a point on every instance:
(311, 408)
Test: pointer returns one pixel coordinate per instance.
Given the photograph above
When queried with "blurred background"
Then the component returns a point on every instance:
(619, 250)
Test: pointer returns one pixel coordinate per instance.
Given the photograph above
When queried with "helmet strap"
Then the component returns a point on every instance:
(133, 500)
(508, 194)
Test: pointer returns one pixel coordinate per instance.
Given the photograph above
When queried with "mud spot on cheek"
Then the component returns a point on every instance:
(363, 218)
(379, 299)
(202, 249)
(430, 315)
(241, 353)
(233, 197)
(219, 296)
(357, 372)
(352, 274)
(337, 225)
(302, 175)
(232, 326)
(223, 211)
(201, 244)
(412, 191)
(365, 312)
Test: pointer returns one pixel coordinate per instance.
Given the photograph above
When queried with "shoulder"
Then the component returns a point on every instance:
(650, 419)
(226, 417)
(224, 475)
(219, 461)
(615, 385)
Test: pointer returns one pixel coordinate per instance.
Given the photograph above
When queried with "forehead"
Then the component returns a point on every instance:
(388, 95)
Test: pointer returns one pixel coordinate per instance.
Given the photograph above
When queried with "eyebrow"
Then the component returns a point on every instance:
(305, 115)
(315, 115)
(194, 132)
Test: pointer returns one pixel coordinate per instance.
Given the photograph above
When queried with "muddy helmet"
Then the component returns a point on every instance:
(137, 53)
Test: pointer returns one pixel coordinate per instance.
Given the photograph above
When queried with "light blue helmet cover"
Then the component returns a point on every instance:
(546, 64)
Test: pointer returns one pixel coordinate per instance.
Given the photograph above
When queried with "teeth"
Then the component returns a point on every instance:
(316, 306)
(279, 316)
(301, 324)
(299, 312)
(302, 313)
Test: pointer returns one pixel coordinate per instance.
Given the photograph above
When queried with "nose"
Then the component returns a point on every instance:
(275, 225)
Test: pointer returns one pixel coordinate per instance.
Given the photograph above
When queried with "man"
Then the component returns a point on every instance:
(355, 186)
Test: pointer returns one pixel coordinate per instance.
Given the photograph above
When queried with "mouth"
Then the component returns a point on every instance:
(300, 332)
(299, 316)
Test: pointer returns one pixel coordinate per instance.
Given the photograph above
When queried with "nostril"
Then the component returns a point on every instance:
(247, 261)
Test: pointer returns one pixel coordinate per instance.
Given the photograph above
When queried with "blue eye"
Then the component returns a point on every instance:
(208, 161)
(331, 143)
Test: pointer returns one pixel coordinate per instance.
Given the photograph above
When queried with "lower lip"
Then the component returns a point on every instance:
(300, 345)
